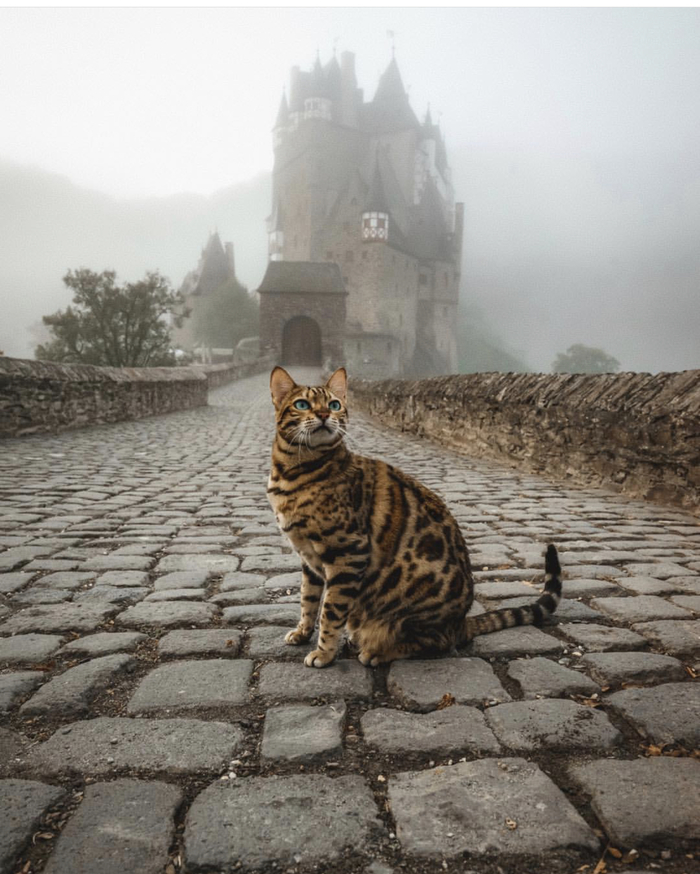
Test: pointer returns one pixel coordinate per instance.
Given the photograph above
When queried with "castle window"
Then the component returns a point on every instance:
(447, 280)
(346, 226)
(444, 311)
(422, 279)
(364, 254)
(375, 226)
(350, 255)
(329, 256)
(388, 348)
(359, 346)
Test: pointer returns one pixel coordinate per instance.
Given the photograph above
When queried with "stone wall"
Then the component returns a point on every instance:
(221, 374)
(634, 432)
(41, 396)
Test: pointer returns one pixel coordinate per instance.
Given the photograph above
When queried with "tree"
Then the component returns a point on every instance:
(585, 359)
(113, 325)
(225, 316)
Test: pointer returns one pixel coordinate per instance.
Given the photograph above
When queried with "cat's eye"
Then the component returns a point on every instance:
(301, 404)
(334, 405)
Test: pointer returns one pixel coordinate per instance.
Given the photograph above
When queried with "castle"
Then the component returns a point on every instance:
(365, 237)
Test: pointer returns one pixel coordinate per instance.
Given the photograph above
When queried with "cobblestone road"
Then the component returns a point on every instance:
(154, 721)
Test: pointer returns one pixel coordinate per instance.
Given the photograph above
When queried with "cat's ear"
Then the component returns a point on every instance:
(281, 383)
(338, 383)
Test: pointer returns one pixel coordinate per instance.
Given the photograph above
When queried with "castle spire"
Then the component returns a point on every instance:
(391, 87)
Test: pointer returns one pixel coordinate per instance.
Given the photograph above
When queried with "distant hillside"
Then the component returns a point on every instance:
(49, 225)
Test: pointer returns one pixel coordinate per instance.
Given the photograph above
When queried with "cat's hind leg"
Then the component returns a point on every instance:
(426, 642)
(311, 593)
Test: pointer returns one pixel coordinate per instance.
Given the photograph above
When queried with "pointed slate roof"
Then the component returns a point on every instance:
(390, 85)
(299, 277)
(377, 200)
(390, 109)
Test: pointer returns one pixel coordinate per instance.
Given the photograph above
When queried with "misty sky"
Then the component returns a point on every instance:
(574, 136)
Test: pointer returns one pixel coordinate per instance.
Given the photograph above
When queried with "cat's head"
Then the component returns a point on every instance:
(310, 416)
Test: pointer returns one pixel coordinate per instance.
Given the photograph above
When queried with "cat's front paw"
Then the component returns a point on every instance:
(368, 659)
(296, 636)
(318, 659)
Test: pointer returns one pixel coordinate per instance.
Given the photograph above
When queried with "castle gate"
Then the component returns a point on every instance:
(301, 342)
(302, 313)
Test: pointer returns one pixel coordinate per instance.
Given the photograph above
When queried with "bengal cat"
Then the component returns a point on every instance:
(386, 550)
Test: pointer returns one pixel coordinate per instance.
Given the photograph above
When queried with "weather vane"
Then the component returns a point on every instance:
(392, 36)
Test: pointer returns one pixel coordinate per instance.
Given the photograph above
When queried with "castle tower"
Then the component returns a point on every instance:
(366, 186)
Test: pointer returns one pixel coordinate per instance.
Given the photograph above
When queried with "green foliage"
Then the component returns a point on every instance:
(225, 316)
(113, 325)
(585, 359)
(479, 349)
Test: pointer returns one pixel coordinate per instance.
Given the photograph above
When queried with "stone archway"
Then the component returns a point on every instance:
(301, 342)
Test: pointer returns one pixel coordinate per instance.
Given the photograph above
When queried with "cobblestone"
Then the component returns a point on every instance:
(456, 730)
(166, 614)
(174, 508)
(664, 714)
(27, 648)
(278, 821)
(555, 725)
(515, 642)
(643, 801)
(676, 637)
(126, 825)
(303, 734)
(57, 618)
(640, 608)
(542, 678)
(69, 693)
(493, 806)
(602, 638)
(182, 686)
(616, 668)
(104, 746)
(22, 804)
(294, 682)
(204, 642)
(13, 687)
(423, 684)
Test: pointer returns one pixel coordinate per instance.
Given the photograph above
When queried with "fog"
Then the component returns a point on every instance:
(573, 135)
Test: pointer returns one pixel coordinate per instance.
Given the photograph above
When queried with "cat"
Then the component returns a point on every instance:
(385, 549)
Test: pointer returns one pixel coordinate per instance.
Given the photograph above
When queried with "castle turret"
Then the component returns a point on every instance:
(317, 103)
(375, 217)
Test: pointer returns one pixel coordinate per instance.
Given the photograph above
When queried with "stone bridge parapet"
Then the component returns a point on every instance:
(637, 433)
(43, 396)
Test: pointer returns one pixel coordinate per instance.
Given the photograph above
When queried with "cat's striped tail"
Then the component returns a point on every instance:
(533, 614)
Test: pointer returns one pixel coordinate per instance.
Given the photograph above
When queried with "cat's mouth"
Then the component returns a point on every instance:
(322, 433)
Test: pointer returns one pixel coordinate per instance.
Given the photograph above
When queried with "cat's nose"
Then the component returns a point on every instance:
(323, 416)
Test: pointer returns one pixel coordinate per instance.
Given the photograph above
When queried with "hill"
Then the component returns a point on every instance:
(48, 225)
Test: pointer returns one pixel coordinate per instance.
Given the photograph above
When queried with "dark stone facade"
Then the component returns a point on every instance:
(637, 433)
